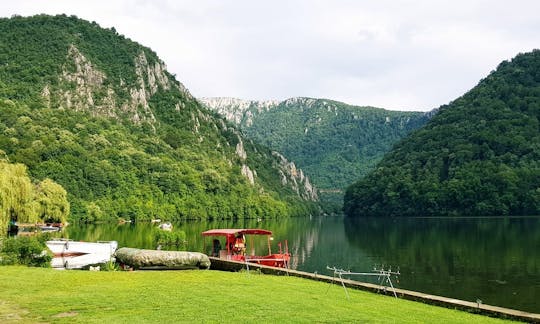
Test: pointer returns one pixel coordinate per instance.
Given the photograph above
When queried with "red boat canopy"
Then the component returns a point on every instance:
(236, 231)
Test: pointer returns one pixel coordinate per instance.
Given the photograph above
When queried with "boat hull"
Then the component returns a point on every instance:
(74, 248)
(273, 260)
(79, 261)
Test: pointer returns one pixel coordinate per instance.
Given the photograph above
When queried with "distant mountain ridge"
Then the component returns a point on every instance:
(100, 115)
(478, 156)
(331, 141)
(238, 111)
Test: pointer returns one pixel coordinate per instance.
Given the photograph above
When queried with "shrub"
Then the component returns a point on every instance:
(24, 250)
(173, 238)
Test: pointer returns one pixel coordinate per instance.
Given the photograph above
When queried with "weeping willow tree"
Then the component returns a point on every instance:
(52, 204)
(21, 201)
(16, 195)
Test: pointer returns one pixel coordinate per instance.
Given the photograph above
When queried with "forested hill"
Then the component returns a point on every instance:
(480, 155)
(100, 115)
(333, 142)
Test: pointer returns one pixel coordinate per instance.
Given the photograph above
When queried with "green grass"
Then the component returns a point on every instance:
(29, 295)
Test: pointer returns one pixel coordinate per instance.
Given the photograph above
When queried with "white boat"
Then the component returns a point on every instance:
(50, 228)
(65, 248)
(166, 226)
(78, 262)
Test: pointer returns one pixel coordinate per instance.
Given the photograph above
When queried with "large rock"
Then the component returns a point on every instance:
(155, 259)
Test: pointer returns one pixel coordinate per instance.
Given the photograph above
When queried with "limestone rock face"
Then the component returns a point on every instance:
(86, 81)
(250, 175)
(296, 179)
(240, 150)
(86, 88)
(238, 111)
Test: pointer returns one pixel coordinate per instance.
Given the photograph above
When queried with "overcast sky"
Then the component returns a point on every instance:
(403, 55)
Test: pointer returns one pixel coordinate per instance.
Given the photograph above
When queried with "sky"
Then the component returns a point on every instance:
(393, 54)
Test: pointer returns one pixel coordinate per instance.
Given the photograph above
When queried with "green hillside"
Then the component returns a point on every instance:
(480, 155)
(101, 116)
(334, 143)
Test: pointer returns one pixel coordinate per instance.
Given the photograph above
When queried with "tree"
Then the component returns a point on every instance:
(16, 195)
(21, 201)
(52, 203)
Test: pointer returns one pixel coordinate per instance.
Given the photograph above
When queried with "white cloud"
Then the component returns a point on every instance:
(391, 54)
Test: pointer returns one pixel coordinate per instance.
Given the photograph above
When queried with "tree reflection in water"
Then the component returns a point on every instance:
(496, 260)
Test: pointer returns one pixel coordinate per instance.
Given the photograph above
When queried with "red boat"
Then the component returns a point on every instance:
(237, 249)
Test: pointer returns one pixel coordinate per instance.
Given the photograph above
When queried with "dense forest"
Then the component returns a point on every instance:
(331, 141)
(480, 155)
(100, 116)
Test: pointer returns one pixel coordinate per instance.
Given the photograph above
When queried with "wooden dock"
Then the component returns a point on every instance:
(471, 307)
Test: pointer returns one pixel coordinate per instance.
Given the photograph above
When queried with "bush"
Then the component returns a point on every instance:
(30, 251)
(176, 238)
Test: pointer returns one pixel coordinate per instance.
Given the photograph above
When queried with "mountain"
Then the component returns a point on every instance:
(479, 155)
(100, 115)
(331, 141)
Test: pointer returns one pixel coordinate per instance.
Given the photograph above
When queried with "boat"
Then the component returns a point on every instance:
(237, 249)
(49, 228)
(166, 226)
(30, 229)
(79, 261)
(64, 247)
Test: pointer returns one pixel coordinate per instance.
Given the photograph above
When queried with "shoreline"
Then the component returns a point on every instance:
(453, 303)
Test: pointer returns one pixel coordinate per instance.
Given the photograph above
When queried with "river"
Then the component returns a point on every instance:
(495, 260)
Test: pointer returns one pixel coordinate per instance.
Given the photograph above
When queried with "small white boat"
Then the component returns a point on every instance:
(166, 226)
(78, 262)
(50, 228)
(63, 247)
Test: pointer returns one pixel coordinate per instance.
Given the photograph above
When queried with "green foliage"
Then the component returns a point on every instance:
(52, 203)
(21, 201)
(24, 250)
(332, 142)
(16, 195)
(174, 238)
(109, 266)
(480, 155)
(169, 159)
(33, 53)
(111, 171)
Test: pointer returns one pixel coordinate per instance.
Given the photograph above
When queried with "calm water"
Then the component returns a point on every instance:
(495, 260)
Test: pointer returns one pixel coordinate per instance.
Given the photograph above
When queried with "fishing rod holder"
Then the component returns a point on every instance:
(383, 275)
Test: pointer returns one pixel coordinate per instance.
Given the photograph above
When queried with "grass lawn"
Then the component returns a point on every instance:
(29, 295)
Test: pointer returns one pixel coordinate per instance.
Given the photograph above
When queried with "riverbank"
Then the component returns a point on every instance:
(45, 295)
(477, 308)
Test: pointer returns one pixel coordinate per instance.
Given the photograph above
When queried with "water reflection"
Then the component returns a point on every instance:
(495, 260)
